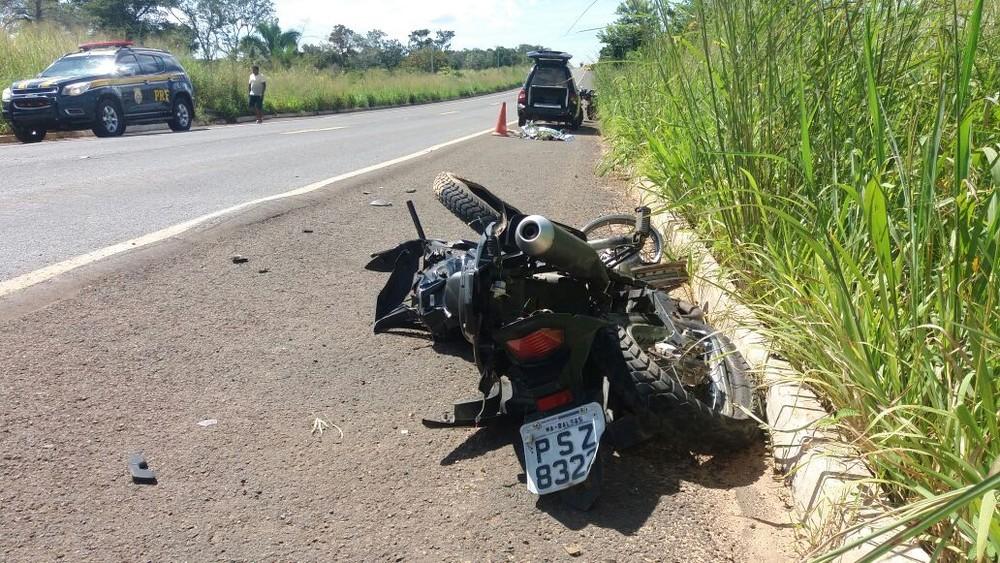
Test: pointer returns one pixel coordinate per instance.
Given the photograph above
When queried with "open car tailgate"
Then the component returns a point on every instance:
(552, 97)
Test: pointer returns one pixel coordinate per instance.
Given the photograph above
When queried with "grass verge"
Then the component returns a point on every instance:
(844, 159)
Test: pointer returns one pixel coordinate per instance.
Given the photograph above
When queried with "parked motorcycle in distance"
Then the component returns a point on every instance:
(590, 96)
(574, 337)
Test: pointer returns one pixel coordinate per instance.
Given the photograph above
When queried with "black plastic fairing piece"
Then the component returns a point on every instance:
(385, 261)
(140, 471)
(400, 282)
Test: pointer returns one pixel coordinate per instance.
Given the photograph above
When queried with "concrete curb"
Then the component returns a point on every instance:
(829, 482)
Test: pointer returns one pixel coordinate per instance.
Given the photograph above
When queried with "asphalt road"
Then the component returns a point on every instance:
(131, 353)
(65, 198)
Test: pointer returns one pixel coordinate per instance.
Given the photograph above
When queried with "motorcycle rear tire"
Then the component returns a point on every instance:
(665, 405)
(452, 192)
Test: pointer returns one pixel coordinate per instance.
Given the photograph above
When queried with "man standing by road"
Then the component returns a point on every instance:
(258, 84)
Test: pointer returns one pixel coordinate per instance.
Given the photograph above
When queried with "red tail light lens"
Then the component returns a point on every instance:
(522, 96)
(536, 345)
(554, 400)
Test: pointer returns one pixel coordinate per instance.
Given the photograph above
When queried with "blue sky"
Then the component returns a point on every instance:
(477, 23)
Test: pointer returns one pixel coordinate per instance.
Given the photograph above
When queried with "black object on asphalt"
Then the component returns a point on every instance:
(238, 259)
(141, 473)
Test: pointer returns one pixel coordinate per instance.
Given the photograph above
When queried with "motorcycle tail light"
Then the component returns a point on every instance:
(554, 400)
(536, 345)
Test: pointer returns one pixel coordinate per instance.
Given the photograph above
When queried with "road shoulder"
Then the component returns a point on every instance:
(137, 350)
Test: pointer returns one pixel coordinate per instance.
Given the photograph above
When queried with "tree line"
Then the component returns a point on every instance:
(639, 20)
(248, 29)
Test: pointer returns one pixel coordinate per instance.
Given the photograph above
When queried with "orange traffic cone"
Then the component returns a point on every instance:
(501, 129)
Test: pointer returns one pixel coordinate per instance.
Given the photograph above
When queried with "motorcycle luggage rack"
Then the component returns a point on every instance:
(666, 276)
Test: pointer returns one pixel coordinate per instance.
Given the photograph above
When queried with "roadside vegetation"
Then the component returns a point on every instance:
(218, 40)
(842, 158)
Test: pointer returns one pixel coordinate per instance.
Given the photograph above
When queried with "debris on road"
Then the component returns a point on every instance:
(141, 473)
(573, 550)
(411, 191)
(240, 259)
(263, 271)
(535, 132)
(307, 231)
(208, 422)
(380, 203)
(319, 426)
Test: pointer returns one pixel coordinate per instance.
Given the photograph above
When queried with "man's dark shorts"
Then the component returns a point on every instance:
(257, 102)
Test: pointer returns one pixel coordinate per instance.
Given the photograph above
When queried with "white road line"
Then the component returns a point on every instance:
(314, 130)
(48, 272)
(448, 112)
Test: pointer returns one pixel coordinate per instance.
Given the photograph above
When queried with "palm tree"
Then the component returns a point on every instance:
(270, 42)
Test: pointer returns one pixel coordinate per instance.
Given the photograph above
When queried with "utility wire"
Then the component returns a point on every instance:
(580, 17)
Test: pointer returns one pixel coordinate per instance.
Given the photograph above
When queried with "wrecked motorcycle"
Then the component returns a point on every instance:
(590, 96)
(573, 333)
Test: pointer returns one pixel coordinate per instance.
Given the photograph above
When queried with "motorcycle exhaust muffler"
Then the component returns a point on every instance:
(538, 237)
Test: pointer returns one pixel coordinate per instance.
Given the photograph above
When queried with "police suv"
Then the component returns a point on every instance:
(104, 87)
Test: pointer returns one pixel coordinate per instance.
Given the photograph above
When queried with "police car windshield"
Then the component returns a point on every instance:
(81, 66)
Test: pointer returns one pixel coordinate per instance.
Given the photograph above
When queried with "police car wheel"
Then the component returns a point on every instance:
(29, 134)
(181, 115)
(110, 122)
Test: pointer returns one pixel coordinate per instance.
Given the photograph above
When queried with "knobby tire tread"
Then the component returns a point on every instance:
(452, 192)
(663, 403)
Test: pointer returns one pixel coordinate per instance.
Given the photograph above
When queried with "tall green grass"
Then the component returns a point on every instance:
(842, 158)
(221, 90)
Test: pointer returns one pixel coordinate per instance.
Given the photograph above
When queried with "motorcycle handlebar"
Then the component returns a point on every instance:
(538, 237)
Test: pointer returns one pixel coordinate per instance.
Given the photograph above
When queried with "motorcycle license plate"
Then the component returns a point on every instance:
(559, 450)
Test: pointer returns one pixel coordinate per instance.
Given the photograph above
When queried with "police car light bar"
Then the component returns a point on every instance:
(100, 44)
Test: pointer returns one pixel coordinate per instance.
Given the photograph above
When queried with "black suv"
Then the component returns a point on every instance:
(550, 93)
(102, 87)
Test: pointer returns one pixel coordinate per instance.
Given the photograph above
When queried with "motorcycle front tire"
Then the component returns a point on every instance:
(452, 192)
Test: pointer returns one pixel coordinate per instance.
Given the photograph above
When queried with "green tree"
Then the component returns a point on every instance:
(68, 13)
(220, 26)
(637, 21)
(392, 54)
(132, 18)
(345, 44)
(442, 39)
(271, 42)
(13, 12)
(419, 39)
